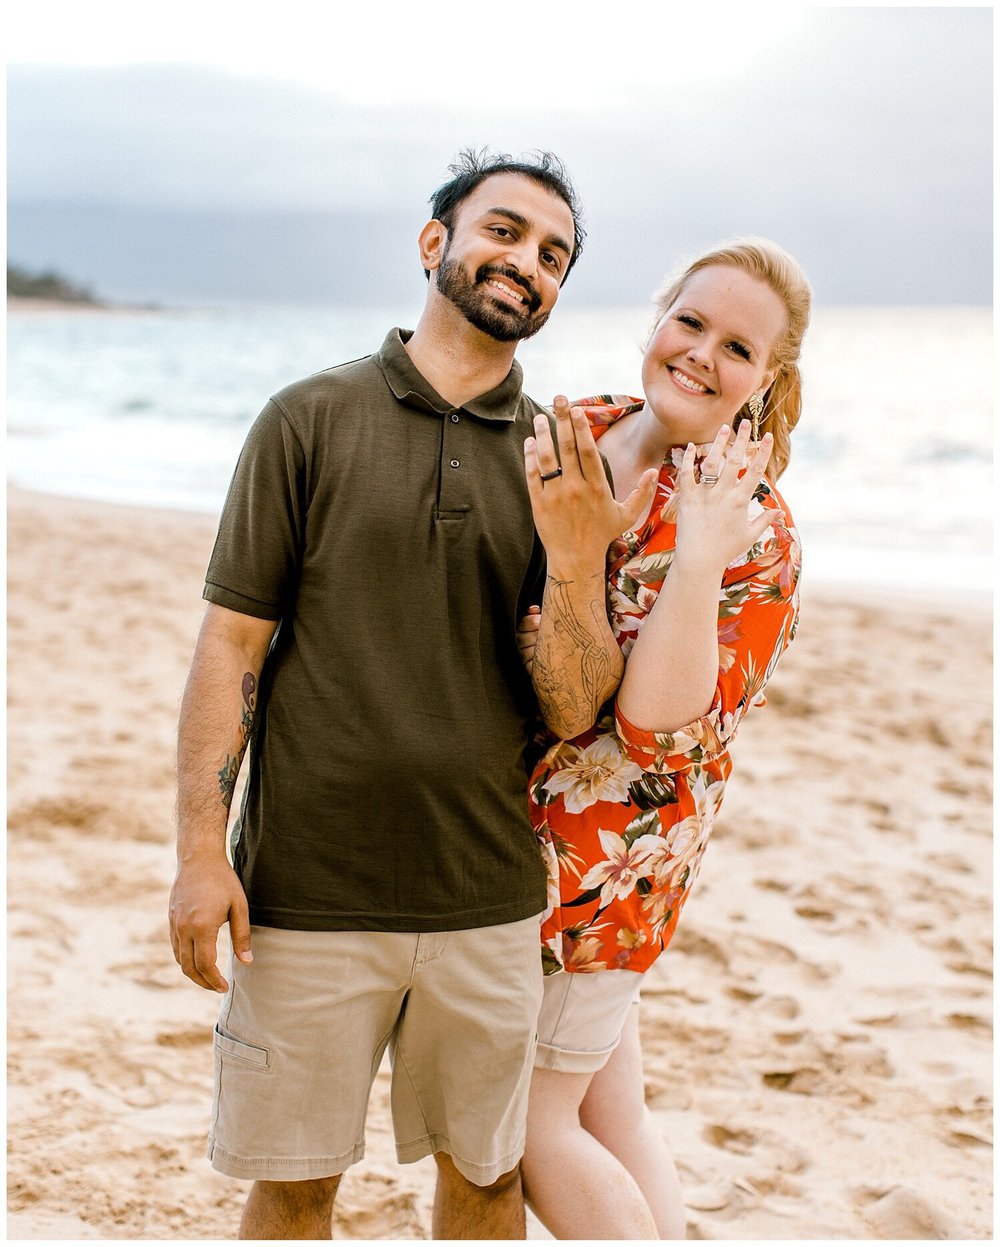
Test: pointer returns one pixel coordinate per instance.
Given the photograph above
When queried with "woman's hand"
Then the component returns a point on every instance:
(527, 635)
(575, 512)
(713, 527)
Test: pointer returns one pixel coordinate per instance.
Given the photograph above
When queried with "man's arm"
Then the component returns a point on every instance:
(577, 665)
(217, 715)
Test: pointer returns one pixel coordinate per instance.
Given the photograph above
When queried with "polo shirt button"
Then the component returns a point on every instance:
(454, 463)
(454, 418)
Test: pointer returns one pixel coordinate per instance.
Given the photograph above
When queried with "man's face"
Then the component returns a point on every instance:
(506, 255)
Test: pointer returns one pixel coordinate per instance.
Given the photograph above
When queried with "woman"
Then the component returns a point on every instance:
(703, 602)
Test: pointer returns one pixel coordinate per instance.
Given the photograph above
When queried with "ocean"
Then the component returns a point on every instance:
(891, 471)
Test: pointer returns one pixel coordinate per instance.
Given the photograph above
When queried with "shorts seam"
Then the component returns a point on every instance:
(379, 1052)
(417, 1149)
(250, 1167)
(572, 1060)
(423, 1116)
(563, 1006)
(226, 1010)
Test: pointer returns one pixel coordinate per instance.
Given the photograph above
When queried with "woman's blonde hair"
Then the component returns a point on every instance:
(768, 263)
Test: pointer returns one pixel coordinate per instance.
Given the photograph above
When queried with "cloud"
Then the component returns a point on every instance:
(861, 140)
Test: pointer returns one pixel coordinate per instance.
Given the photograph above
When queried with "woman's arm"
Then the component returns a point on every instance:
(673, 669)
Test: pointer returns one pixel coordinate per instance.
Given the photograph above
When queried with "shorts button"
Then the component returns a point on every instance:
(454, 463)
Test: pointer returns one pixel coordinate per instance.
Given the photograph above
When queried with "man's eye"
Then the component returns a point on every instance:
(550, 259)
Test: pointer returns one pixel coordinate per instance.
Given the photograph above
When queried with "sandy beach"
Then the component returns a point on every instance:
(818, 1038)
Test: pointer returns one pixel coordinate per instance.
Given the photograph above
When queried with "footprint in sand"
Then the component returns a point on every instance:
(965, 1138)
(900, 1213)
(47, 818)
(694, 943)
(786, 1007)
(372, 1204)
(742, 993)
(847, 1067)
(164, 977)
(969, 967)
(971, 1022)
(950, 861)
(772, 885)
(47, 815)
(709, 1198)
(194, 1037)
(742, 1142)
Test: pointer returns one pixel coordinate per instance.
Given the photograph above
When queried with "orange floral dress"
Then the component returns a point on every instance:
(623, 816)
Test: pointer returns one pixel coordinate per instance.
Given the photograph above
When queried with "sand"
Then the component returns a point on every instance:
(817, 1038)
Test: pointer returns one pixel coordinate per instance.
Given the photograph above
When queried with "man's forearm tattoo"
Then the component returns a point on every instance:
(227, 776)
(573, 673)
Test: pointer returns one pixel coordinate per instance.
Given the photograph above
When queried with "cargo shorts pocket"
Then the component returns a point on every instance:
(246, 1054)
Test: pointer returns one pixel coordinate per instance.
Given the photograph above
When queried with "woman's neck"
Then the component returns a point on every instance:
(636, 442)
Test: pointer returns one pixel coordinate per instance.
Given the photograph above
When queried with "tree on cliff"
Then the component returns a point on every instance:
(48, 285)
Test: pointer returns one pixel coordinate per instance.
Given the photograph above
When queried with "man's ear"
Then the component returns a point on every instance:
(433, 238)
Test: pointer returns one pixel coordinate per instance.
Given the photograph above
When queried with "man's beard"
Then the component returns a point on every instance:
(481, 309)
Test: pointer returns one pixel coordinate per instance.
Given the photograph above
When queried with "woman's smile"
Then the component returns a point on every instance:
(686, 382)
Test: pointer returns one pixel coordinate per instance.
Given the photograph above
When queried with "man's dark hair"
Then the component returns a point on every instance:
(471, 167)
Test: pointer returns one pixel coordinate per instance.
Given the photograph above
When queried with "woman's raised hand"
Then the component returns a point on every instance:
(575, 512)
(713, 524)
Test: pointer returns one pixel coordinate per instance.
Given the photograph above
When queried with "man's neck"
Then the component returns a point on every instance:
(458, 360)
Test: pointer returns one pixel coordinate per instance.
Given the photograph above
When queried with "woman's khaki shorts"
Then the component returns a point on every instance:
(582, 1017)
(303, 1029)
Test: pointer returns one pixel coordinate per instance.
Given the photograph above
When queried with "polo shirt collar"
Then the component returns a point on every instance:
(410, 387)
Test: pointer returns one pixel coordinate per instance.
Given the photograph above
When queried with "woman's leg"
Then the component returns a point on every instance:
(575, 1186)
(614, 1111)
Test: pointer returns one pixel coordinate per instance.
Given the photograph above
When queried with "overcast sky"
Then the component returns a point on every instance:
(860, 138)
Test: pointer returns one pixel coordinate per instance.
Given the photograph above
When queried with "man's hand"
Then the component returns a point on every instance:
(575, 512)
(576, 664)
(206, 895)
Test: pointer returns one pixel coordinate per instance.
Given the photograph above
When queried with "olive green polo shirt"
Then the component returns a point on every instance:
(390, 533)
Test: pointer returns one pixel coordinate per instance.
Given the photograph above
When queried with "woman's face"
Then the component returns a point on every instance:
(711, 351)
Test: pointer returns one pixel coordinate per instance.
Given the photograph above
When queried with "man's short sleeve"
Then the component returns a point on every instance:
(255, 564)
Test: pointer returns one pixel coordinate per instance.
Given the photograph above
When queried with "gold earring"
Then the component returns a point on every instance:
(755, 406)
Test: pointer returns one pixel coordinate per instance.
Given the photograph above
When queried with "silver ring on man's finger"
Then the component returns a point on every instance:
(705, 480)
(551, 476)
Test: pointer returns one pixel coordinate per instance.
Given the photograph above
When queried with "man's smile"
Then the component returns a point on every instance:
(507, 291)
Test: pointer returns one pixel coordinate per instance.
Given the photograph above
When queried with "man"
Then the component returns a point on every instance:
(374, 554)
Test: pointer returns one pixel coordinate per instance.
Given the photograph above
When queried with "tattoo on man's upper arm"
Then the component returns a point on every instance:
(229, 772)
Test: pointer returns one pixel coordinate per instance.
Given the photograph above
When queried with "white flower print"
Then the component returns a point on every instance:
(600, 772)
(623, 867)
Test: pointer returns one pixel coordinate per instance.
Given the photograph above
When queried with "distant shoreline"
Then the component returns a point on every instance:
(19, 303)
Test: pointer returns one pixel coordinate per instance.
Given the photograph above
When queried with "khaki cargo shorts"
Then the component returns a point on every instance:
(303, 1029)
